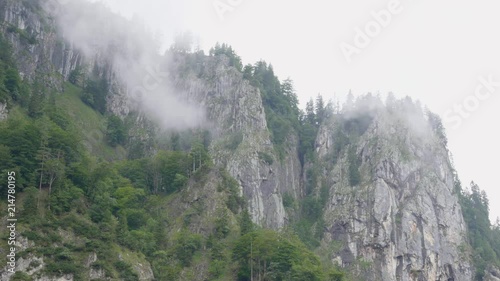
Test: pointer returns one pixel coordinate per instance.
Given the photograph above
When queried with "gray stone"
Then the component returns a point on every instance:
(403, 219)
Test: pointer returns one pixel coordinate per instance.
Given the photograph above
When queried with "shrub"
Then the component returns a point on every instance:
(186, 244)
(30, 209)
(95, 94)
(354, 163)
(216, 268)
(234, 140)
(266, 158)
(288, 200)
(136, 218)
(229, 184)
(116, 133)
(222, 225)
(20, 276)
(126, 272)
(76, 75)
(63, 267)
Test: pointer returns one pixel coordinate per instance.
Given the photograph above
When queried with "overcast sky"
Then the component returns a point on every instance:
(444, 53)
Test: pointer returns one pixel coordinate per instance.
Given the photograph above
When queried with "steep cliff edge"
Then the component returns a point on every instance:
(241, 138)
(392, 206)
(36, 43)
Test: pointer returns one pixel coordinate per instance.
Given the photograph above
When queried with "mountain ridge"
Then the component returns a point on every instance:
(369, 186)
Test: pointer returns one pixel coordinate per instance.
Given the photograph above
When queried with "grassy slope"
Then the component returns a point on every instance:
(89, 122)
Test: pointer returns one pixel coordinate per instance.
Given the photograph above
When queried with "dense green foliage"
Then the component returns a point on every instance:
(267, 255)
(483, 237)
(310, 121)
(77, 203)
(95, 93)
(230, 185)
(116, 132)
(354, 163)
(279, 99)
(76, 76)
(66, 188)
(226, 50)
(103, 203)
(34, 147)
(11, 88)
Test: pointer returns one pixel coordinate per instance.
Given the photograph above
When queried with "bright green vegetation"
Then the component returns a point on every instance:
(11, 88)
(226, 50)
(86, 188)
(354, 163)
(484, 238)
(101, 135)
(95, 93)
(288, 259)
(279, 99)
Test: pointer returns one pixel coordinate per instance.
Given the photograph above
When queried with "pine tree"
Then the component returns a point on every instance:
(43, 155)
(288, 90)
(36, 104)
(310, 115)
(175, 142)
(349, 104)
(44, 152)
(246, 224)
(54, 169)
(320, 109)
(390, 101)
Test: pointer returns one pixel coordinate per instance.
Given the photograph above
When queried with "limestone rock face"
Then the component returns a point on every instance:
(234, 110)
(492, 274)
(35, 42)
(3, 111)
(403, 220)
(40, 47)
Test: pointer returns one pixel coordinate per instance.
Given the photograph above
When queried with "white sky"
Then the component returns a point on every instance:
(433, 51)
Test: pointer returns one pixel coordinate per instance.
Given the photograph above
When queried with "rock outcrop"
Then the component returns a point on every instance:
(234, 109)
(492, 274)
(33, 265)
(402, 221)
(3, 111)
(35, 42)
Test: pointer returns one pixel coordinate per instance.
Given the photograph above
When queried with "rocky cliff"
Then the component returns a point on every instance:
(234, 109)
(37, 45)
(401, 220)
(233, 106)
(492, 274)
(391, 213)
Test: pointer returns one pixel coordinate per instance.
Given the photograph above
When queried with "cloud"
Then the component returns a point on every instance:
(404, 111)
(133, 54)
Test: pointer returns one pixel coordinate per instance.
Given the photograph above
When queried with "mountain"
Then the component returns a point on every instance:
(402, 216)
(132, 165)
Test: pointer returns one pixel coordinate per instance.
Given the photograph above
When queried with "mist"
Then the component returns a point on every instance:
(402, 111)
(132, 53)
